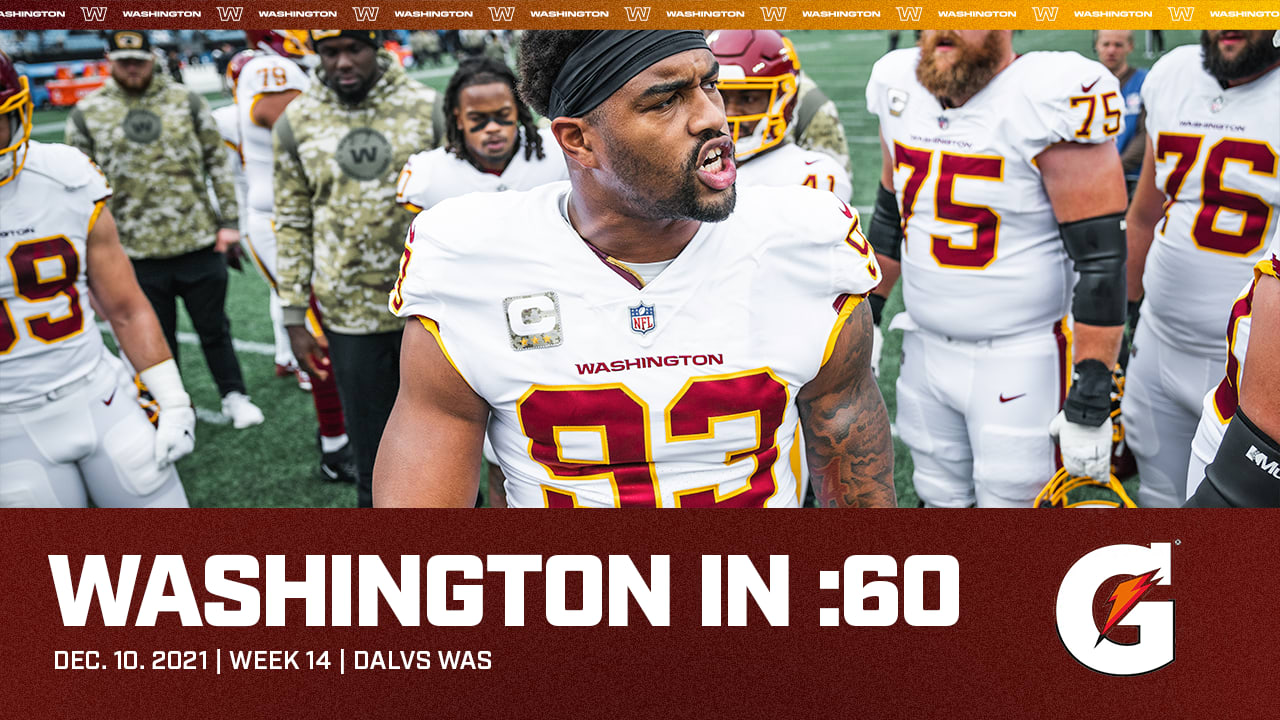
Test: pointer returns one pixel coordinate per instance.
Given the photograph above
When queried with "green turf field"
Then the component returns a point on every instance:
(274, 464)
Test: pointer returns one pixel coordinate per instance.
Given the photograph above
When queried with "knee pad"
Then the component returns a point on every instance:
(1011, 465)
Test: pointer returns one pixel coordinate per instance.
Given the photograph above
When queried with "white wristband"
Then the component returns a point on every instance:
(165, 385)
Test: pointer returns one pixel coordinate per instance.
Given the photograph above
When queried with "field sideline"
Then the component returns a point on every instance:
(274, 464)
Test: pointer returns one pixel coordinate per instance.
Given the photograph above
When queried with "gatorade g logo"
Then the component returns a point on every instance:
(1124, 574)
(142, 126)
(364, 154)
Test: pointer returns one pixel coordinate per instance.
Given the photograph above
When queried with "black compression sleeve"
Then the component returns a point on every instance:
(885, 233)
(1244, 473)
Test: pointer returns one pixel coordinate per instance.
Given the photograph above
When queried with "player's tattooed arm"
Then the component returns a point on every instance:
(431, 447)
(846, 427)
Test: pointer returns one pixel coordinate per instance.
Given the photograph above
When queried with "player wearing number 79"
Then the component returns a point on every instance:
(1205, 205)
(644, 334)
(71, 428)
(1001, 171)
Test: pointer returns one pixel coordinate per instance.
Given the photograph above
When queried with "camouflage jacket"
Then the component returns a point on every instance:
(160, 150)
(339, 232)
(817, 123)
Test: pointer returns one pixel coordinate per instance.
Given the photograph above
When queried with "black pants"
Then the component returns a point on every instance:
(367, 368)
(200, 279)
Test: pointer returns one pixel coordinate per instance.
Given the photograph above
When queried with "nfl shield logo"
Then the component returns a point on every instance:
(642, 318)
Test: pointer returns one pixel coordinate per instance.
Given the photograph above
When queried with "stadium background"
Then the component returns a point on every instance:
(274, 464)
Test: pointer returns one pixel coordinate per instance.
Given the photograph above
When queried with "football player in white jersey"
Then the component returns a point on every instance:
(1221, 402)
(228, 119)
(71, 428)
(492, 144)
(1001, 170)
(640, 339)
(1205, 205)
(759, 74)
(267, 84)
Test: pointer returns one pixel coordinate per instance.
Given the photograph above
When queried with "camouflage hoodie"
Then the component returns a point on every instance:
(158, 150)
(339, 231)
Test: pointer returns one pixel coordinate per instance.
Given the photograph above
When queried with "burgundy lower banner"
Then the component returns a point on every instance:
(320, 613)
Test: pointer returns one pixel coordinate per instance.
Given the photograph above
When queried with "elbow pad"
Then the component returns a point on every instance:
(885, 232)
(1097, 247)
(1244, 473)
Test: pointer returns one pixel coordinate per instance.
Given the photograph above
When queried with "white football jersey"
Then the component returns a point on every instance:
(680, 392)
(48, 337)
(982, 257)
(1220, 403)
(228, 121)
(434, 175)
(264, 74)
(1215, 157)
(789, 164)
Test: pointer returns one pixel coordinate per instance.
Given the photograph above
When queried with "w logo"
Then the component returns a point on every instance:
(637, 14)
(502, 14)
(773, 14)
(365, 14)
(230, 14)
(99, 14)
(1046, 13)
(909, 14)
(1181, 14)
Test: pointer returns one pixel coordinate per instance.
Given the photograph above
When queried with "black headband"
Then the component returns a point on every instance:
(607, 60)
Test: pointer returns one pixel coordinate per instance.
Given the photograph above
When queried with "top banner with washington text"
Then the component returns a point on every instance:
(590, 14)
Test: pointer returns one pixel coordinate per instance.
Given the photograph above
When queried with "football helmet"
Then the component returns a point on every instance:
(286, 43)
(15, 111)
(238, 61)
(758, 60)
(1054, 495)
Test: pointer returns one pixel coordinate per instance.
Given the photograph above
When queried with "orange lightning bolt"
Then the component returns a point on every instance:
(1124, 597)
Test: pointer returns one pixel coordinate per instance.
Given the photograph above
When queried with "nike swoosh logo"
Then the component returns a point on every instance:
(1087, 88)
(1004, 399)
(107, 402)
(810, 162)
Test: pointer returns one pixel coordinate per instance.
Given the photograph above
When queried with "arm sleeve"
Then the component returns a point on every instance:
(216, 164)
(293, 219)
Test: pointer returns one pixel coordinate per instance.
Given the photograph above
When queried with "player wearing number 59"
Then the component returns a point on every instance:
(1205, 205)
(1001, 171)
(71, 427)
(644, 334)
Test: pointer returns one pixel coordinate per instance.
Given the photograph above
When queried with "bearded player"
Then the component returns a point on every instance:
(1204, 208)
(759, 76)
(491, 144)
(268, 82)
(644, 336)
(71, 428)
(1002, 172)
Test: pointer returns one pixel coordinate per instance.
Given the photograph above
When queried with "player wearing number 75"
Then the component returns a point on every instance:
(71, 427)
(1000, 206)
(1205, 205)
(644, 334)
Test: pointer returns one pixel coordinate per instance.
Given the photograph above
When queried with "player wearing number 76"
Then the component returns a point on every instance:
(1205, 205)
(1000, 206)
(71, 427)
(644, 334)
